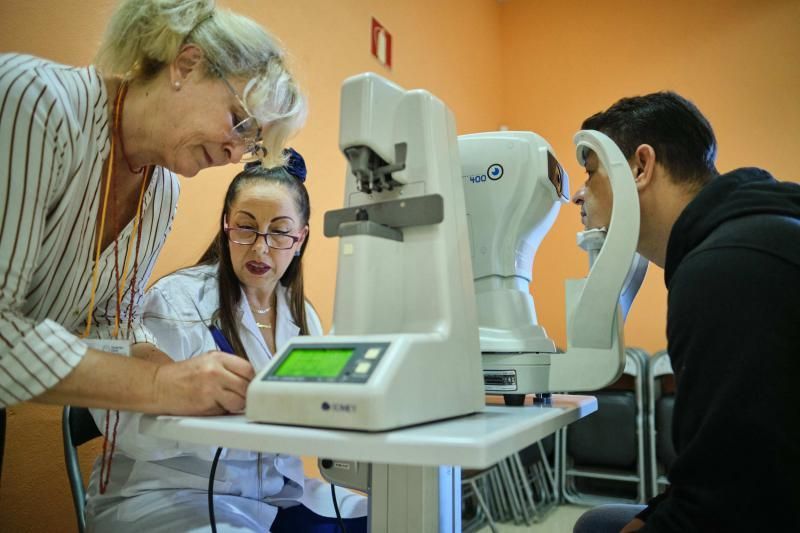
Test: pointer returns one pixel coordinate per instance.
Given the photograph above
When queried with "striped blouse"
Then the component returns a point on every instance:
(54, 140)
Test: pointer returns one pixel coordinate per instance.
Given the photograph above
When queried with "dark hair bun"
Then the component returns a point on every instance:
(295, 164)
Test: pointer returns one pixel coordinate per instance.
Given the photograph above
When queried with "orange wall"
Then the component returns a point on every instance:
(541, 65)
(738, 60)
(328, 41)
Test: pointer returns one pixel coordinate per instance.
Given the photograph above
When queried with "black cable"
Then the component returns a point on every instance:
(211, 490)
(336, 508)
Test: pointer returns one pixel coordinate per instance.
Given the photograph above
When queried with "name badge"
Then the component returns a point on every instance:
(117, 346)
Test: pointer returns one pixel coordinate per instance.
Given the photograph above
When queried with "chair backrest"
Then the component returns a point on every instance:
(665, 449)
(660, 365)
(77, 427)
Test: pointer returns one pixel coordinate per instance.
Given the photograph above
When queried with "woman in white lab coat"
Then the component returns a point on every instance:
(246, 297)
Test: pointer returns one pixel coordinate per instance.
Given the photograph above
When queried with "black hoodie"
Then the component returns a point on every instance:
(733, 329)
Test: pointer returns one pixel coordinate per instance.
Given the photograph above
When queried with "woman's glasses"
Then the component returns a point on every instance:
(248, 236)
(248, 131)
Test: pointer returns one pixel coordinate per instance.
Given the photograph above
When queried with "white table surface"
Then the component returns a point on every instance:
(474, 441)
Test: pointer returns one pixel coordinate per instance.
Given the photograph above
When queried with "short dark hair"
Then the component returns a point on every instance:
(681, 136)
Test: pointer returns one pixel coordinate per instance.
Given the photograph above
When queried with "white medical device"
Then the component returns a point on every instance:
(512, 182)
(405, 347)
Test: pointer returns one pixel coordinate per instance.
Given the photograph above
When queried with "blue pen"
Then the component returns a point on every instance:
(219, 338)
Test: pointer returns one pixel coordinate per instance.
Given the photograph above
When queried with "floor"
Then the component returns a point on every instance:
(560, 520)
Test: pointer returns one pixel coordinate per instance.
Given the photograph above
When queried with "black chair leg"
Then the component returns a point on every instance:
(2, 440)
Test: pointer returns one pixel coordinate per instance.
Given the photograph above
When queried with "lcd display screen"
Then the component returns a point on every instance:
(314, 363)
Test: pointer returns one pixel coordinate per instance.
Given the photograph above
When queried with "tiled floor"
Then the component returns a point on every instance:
(560, 520)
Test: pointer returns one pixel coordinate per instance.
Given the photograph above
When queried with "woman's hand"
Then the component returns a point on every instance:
(210, 384)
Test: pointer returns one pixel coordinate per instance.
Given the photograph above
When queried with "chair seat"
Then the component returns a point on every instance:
(82, 428)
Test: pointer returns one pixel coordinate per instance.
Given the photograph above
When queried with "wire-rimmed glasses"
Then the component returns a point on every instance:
(247, 130)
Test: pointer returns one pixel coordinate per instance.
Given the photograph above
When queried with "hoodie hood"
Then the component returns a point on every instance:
(740, 193)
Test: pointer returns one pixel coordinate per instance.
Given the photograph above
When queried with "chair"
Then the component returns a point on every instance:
(661, 401)
(77, 428)
(602, 457)
(539, 481)
(498, 493)
(475, 497)
(520, 488)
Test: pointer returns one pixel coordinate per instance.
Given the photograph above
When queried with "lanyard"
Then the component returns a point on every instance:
(137, 232)
(105, 467)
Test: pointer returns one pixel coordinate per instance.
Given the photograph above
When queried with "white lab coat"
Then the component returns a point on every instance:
(158, 484)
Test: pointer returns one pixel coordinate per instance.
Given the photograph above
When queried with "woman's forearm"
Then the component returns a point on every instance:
(110, 381)
(209, 384)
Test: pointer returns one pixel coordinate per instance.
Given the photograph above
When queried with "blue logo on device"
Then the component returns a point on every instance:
(495, 172)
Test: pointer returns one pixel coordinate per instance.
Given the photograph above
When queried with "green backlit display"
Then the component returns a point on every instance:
(314, 363)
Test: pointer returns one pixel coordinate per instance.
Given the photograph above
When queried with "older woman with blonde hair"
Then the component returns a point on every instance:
(90, 157)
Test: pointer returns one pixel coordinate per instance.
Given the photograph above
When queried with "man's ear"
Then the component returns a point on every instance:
(643, 166)
(189, 60)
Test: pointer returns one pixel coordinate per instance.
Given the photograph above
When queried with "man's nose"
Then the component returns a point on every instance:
(577, 198)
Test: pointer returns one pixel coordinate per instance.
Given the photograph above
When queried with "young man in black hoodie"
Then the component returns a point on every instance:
(729, 245)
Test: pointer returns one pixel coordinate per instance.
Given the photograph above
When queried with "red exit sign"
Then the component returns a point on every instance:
(381, 44)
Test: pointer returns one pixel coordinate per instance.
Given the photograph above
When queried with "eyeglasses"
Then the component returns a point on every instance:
(556, 174)
(248, 236)
(248, 130)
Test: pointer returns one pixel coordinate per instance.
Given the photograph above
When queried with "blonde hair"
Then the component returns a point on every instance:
(144, 36)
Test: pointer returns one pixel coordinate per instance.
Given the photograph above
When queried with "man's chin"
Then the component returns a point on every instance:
(589, 226)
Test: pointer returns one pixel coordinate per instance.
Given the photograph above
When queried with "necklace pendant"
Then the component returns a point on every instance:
(264, 326)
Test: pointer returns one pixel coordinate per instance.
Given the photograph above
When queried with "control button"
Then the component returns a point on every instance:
(372, 353)
(363, 367)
